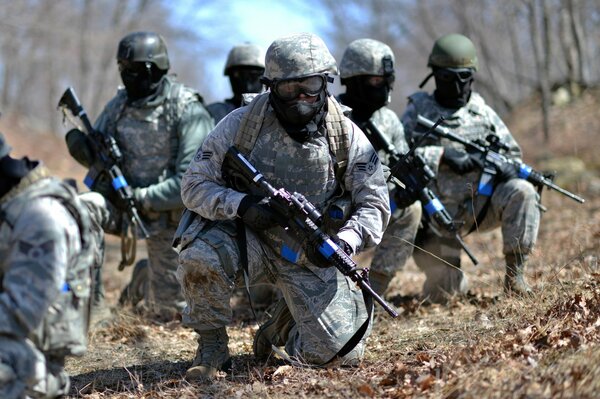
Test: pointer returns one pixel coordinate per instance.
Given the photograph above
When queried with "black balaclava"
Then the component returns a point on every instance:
(364, 98)
(12, 171)
(452, 94)
(244, 79)
(300, 119)
(141, 79)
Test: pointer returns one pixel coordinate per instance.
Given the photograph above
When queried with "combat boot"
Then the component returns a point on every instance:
(274, 331)
(212, 355)
(514, 280)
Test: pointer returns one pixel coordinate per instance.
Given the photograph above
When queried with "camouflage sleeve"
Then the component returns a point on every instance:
(43, 239)
(193, 127)
(202, 188)
(365, 181)
(514, 151)
(432, 154)
(397, 133)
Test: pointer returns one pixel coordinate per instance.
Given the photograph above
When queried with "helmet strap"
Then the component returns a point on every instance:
(424, 82)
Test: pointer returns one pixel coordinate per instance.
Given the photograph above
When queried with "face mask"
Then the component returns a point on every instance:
(366, 94)
(140, 79)
(299, 118)
(245, 80)
(453, 86)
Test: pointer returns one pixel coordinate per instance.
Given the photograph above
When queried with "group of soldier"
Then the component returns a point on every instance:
(283, 119)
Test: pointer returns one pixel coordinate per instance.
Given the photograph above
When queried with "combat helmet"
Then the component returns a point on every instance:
(453, 51)
(245, 55)
(144, 47)
(367, 57)
(297, 55)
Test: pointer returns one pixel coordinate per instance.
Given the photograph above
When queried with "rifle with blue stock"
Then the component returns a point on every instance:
(492, 158)
(107, 160)
(411, 174)
(302, 221)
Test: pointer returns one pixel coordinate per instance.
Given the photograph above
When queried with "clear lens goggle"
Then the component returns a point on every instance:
(290, 89)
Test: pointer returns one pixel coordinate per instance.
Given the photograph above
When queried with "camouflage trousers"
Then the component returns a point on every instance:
(397, 243)
(26, 372)
(513, 207)
(326, 306)
(163, 295)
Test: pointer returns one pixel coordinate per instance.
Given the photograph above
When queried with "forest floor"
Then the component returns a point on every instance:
(481, 345)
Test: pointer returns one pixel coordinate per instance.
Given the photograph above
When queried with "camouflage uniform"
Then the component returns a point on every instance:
(364, 58)
(158, 137)
(46, 256)
(513, 205)
(326, 307)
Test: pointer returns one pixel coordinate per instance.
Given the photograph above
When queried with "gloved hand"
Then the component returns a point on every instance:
(459, 161)
(403, 197)
(506, 171)
(80, 147)
(139, 197)
(316, 258)
(256, 213)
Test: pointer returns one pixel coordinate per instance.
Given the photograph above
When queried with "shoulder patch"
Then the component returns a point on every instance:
(369, 166)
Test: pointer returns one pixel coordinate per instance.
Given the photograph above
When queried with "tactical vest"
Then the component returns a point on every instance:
(148, 163)
(140, 134)
(470, 122)
(307, 169)
(63, 330)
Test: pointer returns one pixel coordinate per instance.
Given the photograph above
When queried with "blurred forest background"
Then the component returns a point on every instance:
(525, 46)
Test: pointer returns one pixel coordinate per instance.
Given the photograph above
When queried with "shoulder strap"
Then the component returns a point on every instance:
(338, 136)
(251, 123)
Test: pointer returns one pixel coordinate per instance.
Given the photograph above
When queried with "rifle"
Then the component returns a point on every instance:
(414, 174)
(108, 159)
(490, 151)
(301, 221)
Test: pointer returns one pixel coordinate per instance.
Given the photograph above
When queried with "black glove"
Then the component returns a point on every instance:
(404, 197)
(256, 213)
(316, 258)
(506, 171)
(459, 161)
(80, 147)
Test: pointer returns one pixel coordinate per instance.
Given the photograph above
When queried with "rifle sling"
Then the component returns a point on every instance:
(243, 248)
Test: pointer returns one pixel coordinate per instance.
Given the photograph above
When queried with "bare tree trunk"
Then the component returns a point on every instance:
(546, 94)
(578, 38)
(84, 59)
(538, 43)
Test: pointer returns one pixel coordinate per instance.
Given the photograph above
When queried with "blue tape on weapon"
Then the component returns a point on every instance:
(434, 206)
(119, 182)
(328, 248)
(524, 171)
(486, 185)
(289, 254)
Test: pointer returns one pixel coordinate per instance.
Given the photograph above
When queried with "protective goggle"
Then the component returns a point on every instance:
(461, 75)
(290, 89)
(134, 68)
